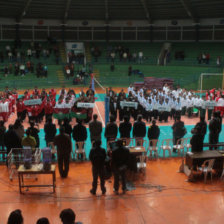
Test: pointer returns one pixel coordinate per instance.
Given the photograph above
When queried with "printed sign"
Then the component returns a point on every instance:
(85, 105)
(32, 102)
(128, 104)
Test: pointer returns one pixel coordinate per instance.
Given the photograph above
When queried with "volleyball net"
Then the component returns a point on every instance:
(101, 95)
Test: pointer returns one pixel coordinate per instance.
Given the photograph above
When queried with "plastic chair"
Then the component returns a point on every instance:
(53, 149)
(206, 168)
(108, 144)
(180, 145)
(128, 141)
(166, 146)
(187, 144)
(139, 142)
(153, 148)
(141, 165)
(80, 149)
(222, 175)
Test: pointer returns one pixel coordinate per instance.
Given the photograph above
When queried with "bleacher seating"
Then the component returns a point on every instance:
(150, 51)
(26, 45)
(193, 50)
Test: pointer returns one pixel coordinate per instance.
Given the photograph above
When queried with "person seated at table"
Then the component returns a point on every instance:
(197, 140)
(29, 141)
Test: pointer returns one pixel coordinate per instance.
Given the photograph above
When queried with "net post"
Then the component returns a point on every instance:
(107, 107)
(201, 81)
(92, 81)
(222, 78)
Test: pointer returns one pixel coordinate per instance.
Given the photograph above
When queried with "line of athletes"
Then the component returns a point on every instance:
(160, 104)
(10, 102)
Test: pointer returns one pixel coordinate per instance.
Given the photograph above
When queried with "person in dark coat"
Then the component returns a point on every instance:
(64, 148)
(97, 157)
(111, 129)
(125, 128)
(178, 130)
(120, 159)
(11, 140)
(202, 127)
(67, 126)
(95, 129)
(139, 128)
(153, 131)
(197, 139)
(79, 133)
(50, 131)
(2, 133)
(214, 130)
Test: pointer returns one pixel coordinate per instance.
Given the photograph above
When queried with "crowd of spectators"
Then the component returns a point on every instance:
(204, 58)
(67, 216)
(95, 52)
(123, 54)
(75, 58)
(20, 61)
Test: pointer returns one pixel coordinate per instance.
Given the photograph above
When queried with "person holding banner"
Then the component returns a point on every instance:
(210, 105)
(189, 106)
(21, 109)
(48, 109)
(178, 108)
(4, 109)
(155, 108)
(149, 110)
(161, 109)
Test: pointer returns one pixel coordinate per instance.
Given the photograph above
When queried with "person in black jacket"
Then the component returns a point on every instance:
(67, 127)
(79, 133)
(139, 128)
(111, 129)
(178, 131)
(202, 127)
(197, 139)
(125, 128)
(120, 159)
(64, 147)
(11, 140)
(50, 131)
(153, 131)
(97, 157)
(214, 130)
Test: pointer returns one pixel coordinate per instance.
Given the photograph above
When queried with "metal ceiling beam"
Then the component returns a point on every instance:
(106, 12)
(24, 11)
(68, 3)
(147, 13)
(187, 6)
